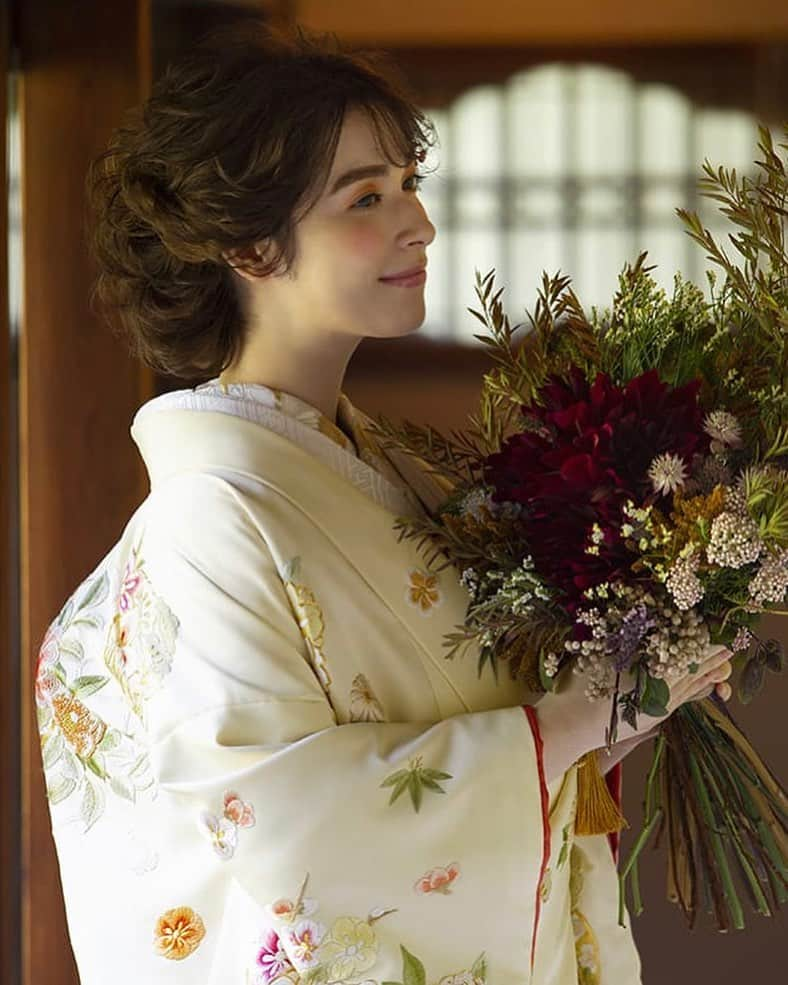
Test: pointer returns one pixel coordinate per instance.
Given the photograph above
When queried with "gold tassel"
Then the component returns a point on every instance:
(597, 812)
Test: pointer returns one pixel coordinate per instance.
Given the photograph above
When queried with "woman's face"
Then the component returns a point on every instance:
(369, 228)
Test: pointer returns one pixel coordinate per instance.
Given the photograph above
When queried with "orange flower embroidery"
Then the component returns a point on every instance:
(423, 591)
(238, 811)
(81, 729)
(438, 880)
(178, 933)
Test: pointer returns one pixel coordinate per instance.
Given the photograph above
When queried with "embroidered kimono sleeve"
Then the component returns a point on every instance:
(357, 852)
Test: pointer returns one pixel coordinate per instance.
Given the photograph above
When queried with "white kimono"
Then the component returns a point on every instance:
(261, 768)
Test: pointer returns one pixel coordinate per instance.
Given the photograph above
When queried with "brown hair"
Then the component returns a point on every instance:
(233, 146)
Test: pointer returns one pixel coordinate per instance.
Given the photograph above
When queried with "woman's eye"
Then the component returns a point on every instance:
(418, 178)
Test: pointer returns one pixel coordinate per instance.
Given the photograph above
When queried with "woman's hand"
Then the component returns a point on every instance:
(619, 750)
(571, 725)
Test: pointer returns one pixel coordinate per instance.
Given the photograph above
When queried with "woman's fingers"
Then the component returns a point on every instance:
(691, 687)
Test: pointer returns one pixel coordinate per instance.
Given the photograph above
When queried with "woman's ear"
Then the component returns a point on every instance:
(245, 260)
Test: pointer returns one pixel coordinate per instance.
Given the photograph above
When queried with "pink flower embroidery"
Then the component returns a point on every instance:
(46, 682)
(237, 811)
(438, 880)
(271, 960)
(131, 581)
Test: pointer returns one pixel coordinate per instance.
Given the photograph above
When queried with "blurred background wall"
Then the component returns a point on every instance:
(568, 135)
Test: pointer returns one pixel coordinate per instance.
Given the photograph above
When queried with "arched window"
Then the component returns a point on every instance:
(570, 167)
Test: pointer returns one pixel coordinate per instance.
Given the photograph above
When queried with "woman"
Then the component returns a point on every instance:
(260, 766)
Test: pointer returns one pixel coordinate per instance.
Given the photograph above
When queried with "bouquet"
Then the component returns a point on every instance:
(619, 502)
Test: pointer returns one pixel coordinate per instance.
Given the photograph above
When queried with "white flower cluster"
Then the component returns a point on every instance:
(551, 664)
(521, 588)
(683, 583)
(592, 656)
(677, 642)
(771, 582)
(674, 642)
(734, 540)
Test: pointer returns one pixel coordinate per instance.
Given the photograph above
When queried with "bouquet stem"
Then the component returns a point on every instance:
(726, 818)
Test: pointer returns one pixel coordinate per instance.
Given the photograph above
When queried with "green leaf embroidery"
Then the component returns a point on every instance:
(90, 810)
(394, 778)
(401, 785)
(65, 614)
(84, 686)
(432, 784)
(110, 741)
(479, 969)
(60, 790)
(73, 648)
(121, 788)
(97, 592)
(415, 778)
(52, 749)
(437, 774)
(94, 622)
(412, 969)
(414, 783)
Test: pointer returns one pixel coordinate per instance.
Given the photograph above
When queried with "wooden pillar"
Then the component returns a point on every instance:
(9, 714)
(80, 475)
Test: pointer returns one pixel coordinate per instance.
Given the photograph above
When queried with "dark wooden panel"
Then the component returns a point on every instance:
(9, 714)
(80, 474)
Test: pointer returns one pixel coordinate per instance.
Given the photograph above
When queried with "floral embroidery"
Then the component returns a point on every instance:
(305, 940)
(271, 962)
(287, 910)
(438, 880)
(222, 832)
(141, 642)
(423, 591)
(586, 944)
(350, 948)
(414, 779)
(179, 933)
(82, 754)
(586, 950)
(364, 706)
(238, 811)
(310, 618)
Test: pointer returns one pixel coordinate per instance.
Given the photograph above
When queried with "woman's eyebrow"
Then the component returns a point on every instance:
(356, 174)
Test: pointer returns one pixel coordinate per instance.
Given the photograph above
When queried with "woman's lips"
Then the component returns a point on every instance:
(415, 280)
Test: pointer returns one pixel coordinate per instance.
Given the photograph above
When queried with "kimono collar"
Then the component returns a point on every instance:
(391, 478)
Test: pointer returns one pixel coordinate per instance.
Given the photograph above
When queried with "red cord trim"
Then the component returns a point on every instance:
(545, 799)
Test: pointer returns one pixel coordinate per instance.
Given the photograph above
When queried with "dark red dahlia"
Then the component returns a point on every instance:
(587, 451)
